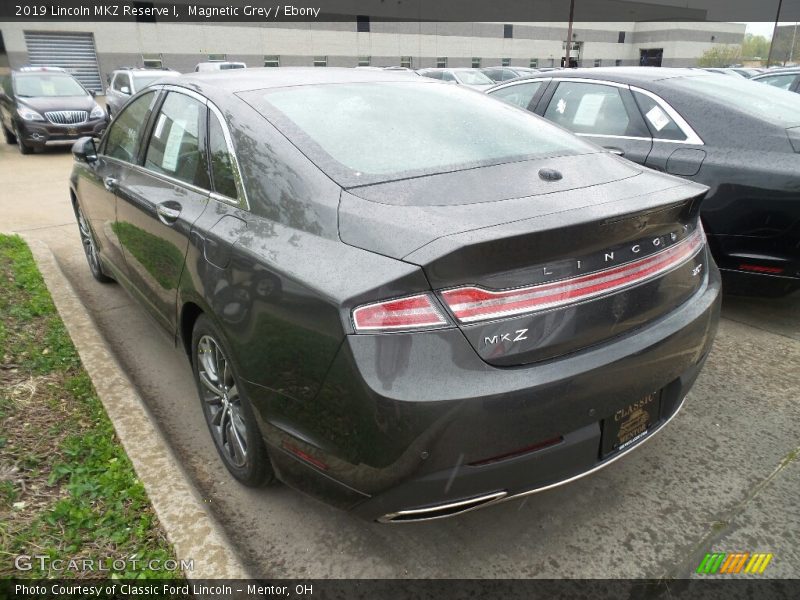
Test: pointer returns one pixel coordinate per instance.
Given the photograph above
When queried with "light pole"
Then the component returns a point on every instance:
(569, 32)
(774, 33)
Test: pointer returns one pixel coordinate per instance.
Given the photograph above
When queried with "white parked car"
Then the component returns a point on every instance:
(124, 83)
(219, 65)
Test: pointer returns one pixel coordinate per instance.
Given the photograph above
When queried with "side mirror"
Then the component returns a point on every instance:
(84, 150)
(93, 93)
(125, 90)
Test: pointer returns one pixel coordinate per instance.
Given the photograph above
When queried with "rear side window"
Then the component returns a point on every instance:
(589, 108)
(176, 147)
(659, 123)
(518, 95)
(126, 131)
(783, 82)
(222, 171)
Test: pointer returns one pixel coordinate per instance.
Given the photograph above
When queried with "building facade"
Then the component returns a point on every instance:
(93, 50)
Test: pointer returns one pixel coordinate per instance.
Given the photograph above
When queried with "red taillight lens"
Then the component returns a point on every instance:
(761, 269)
(414, 312)
(471, 304)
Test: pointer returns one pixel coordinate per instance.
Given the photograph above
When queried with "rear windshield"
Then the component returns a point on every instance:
(361, 133)
(762, 101)
(473, 78)
(41, 85)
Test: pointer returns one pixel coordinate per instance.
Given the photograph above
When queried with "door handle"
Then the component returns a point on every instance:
(168, 214)
(110, 183)
(615, 150)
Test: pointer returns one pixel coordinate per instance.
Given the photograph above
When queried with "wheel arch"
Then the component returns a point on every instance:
(190, 312)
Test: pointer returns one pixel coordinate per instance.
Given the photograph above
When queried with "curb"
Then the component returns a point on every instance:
(190, 528)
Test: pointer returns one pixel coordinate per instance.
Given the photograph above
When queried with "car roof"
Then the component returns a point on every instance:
(627, 75)
(241, 80)
(772, 72)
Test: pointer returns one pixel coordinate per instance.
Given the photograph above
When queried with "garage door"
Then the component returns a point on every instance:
(74, 52)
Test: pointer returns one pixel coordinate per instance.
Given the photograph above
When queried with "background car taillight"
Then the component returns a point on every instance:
(472, 304)
(413, 312)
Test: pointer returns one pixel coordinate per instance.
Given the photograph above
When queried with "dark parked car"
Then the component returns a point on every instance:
(739, 138)
(46, 106)
(785, 79)
(399, 296)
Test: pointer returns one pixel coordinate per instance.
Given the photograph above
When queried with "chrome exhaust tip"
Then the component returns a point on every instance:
(441, 511)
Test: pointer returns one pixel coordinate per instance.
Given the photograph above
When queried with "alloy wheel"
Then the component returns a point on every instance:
(222, 403)
(88, 243)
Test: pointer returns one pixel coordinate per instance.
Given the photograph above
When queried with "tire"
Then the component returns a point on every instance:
(227, 410)
(90, 247)
(9, 137)
(23, 147)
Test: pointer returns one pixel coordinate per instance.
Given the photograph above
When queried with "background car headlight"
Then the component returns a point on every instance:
(29, 114)
(97, 112)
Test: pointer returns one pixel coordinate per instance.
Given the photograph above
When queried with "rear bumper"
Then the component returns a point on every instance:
(402, 417)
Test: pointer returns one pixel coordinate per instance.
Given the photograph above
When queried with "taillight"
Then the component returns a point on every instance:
(471, 304)
(413, 312)
(761, 269)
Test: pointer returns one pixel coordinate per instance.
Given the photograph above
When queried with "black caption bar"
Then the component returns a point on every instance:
(348, 589)
(266, 11)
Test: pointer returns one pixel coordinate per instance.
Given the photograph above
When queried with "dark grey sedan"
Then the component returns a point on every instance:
(740, 138)
(400, 296)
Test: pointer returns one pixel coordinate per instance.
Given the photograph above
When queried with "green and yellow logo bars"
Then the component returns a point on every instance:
(734, 562)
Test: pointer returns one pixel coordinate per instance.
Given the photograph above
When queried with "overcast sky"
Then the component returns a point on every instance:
(764, 29)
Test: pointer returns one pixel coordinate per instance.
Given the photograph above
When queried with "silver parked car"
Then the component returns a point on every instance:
(124, 83)
(469, 77)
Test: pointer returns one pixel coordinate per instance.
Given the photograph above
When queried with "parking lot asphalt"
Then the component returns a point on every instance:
(723, 476)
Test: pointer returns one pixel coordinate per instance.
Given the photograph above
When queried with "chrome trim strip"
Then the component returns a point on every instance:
(237, 172)
(602, 465)
(504, 497)
(479, 501)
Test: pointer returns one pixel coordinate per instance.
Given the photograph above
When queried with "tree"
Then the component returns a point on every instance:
(755, 47)
(721, 56)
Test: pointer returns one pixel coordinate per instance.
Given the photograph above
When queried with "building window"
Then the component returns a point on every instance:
(508, 31)
(596, 62)
(214, 57)
(364, 61)
(506, 62)
(272, 61)
(618, 63)
(405, 61)
(362, 24)
(441, 62)
(152, 61)
(320, 61)
(621, 37)
(534, 63)
(476, 62)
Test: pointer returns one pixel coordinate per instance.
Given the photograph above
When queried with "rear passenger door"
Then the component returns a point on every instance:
(603, 112)
(161, 198)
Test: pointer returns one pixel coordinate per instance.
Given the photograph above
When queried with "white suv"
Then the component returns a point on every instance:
(124, 83)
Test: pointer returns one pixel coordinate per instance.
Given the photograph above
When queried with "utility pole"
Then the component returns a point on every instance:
(774, 33)
(569, 32)
(791, 52)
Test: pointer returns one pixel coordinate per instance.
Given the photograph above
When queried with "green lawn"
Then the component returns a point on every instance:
(67, 489)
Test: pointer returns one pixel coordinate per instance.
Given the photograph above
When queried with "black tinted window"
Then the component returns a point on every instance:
(589, 108)
(126, 131)
(221, 162)
(659, 123)
(175, 147)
